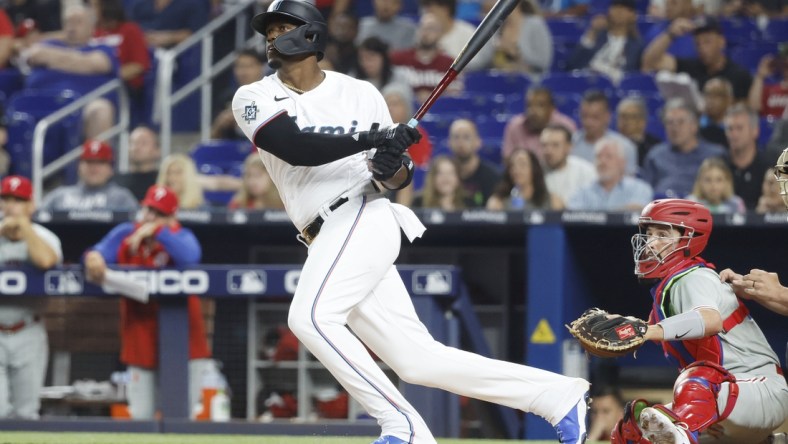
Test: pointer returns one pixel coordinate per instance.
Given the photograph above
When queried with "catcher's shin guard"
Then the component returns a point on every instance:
(626, 430)
(695, 395)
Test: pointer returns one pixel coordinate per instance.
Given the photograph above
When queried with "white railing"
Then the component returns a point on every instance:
(41, 172)
(167, 98)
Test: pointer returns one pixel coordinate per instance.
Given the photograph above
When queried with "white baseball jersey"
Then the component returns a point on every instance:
(355, 105)
(15, 254)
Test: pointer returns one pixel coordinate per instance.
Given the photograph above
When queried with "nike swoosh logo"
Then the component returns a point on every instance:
(279, 99)
(682, 335)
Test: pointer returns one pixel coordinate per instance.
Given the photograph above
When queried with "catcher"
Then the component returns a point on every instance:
(731, 388)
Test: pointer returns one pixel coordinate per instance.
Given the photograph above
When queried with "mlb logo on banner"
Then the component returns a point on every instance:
(247, 282)
(62, 282)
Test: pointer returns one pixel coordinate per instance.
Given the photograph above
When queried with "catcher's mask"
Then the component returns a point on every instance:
(309, 37)
(781, 174)
(691, 219)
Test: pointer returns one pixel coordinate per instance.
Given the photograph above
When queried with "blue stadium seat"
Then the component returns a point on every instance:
(491, 127)
(220, 156)
(491, 150)
(737, 30)
(11, 82)
(469, 104)
(561, 52)
(655, 127)
(776, 30)
(639, 82)
(20, 139)
(437, 125)
(577, 83)
(496, 82)
(419, 174)
(645, 23)
(60, 138)
(568, 104)
(567, 30)
(749, 56)
(766, 126)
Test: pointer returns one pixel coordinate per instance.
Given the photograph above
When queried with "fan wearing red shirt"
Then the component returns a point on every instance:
(158, 240)
(6, 39)
(114, 30)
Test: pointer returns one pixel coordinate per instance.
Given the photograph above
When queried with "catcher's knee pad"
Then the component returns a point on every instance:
(626, 430)
(695, 395)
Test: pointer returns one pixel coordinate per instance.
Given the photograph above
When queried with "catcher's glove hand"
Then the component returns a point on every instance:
(606, 335)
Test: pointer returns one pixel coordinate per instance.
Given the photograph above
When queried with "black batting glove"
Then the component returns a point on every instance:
(385, 165)
(394, 138)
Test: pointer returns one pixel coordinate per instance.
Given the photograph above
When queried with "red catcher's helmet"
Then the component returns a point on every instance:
(691, 218)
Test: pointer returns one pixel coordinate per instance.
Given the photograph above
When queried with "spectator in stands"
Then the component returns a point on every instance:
(95, 189)
(169, 22)
(714, 188)
(523, 130)
(23, 337)
(340, 47)
(606, 410)
(565, 173)
(676, 13)
(670, 167)
(594, 125)
(525, 43)
(144, 157)
(631, 122)
(387, 25)
(614, 189)
(423, 65)
(157, 240)
(42, 15)
(442, 187)
(455, 33)
(717, 98)
(77, 63)
(179, 173)
(374, 65)
(249, 67)
(769, 91)
(258, 191)
(522, 186)
(114, 30)
(479, 177)
(710, 62)
(6, 40)
(611, 45)
(564, 8)
(770, 201)
(399, 98)
(746, 162)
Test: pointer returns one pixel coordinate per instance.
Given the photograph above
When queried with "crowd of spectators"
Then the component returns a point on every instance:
(403, 47)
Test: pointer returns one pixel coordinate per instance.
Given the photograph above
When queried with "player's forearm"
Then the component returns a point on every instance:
(182, 246)
(397, 181)
(76, 62)
(756, 91)
(41, 254)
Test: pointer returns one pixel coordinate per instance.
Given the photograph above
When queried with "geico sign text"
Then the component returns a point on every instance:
(172, 281)
(12, 282)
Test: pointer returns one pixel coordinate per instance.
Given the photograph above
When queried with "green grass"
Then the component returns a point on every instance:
(162, 438)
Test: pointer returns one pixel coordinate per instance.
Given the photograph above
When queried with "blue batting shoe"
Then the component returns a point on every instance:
(573, 428)
(388, 439)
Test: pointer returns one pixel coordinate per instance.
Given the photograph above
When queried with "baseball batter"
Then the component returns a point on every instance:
(316, 131)
(731, 388)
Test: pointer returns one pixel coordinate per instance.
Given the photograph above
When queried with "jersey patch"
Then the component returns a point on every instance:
(250, 113)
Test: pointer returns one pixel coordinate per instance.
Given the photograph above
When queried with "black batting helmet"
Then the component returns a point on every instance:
(307, 38)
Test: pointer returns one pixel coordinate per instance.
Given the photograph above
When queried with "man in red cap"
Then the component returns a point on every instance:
(158, 240)
(95, 189)
(23, 338)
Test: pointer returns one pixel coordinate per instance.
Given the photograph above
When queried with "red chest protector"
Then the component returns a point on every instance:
(688, 351)
(139, 323)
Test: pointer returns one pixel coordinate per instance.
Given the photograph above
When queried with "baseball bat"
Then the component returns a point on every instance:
(491, 22)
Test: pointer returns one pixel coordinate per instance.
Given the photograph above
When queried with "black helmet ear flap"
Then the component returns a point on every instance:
(301, 40)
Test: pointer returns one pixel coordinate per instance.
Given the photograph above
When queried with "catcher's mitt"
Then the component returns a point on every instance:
(608, 336)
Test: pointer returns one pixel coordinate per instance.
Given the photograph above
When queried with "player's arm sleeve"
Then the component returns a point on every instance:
(108, 246)
(182, 245)
(281, 137)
